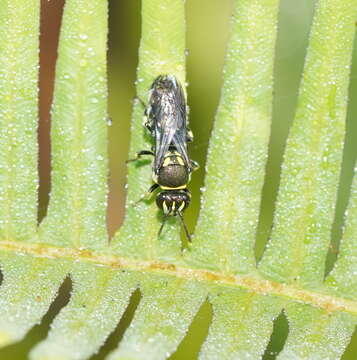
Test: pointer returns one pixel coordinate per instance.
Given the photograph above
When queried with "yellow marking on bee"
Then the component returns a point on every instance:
(182, 206)
(164, 207)
(172, 153)
(172, 157)
(167, 162)
(174, 205)
(180, 160)
(173, 188)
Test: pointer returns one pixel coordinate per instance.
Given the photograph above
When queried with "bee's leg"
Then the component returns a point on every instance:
(109, 120)
(138, 100)
(194, 165)
(147, 195)
(189, 135)
(146, 122)
(140, 154)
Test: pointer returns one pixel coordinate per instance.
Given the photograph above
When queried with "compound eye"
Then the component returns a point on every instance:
(172, 203)
(182, 204)
(164, 203)
(166, 207)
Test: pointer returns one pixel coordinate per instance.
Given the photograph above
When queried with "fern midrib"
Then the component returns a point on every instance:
(262, 286)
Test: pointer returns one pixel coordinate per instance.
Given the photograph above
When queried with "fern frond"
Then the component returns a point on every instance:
(19, 33)
(343, 278)
(220, 267)
(29, 286)
(76, 214)
(162, 51)
(307, 196)
(99, 298)
(239, 144)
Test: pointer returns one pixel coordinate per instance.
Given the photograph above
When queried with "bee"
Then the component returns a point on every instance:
(166, 120)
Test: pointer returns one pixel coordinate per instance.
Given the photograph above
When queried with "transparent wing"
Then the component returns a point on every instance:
(169, 116)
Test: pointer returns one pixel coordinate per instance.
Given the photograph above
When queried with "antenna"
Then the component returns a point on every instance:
(185, 227)
(162, 225)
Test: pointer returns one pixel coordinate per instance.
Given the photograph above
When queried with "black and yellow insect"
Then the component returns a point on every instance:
(166, 120)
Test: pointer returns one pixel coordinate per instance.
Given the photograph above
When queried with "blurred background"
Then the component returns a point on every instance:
(207, 32)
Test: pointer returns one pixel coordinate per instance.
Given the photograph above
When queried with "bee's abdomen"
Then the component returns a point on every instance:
(173, 176)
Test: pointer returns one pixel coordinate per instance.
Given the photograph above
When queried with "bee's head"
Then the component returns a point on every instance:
(167, 82)
(173, 202)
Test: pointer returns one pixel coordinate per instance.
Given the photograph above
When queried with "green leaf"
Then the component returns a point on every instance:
(316, 334)
(162, 51)
(28, 289)
(76, 215)
(98, 300)
(308, 187)
(239, 143)
(161, 320)
(241, 326)
(19, 32)
(220, 265)
(343, 278)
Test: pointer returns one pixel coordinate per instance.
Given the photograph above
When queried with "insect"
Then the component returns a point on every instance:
(166, 120)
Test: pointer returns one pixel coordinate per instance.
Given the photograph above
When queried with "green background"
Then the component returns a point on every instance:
(207, 33)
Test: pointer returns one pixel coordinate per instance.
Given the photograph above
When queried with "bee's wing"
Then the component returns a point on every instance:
(165, 132)
(170, 124)
(180, 141)
(180, 137)
(171, 131)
